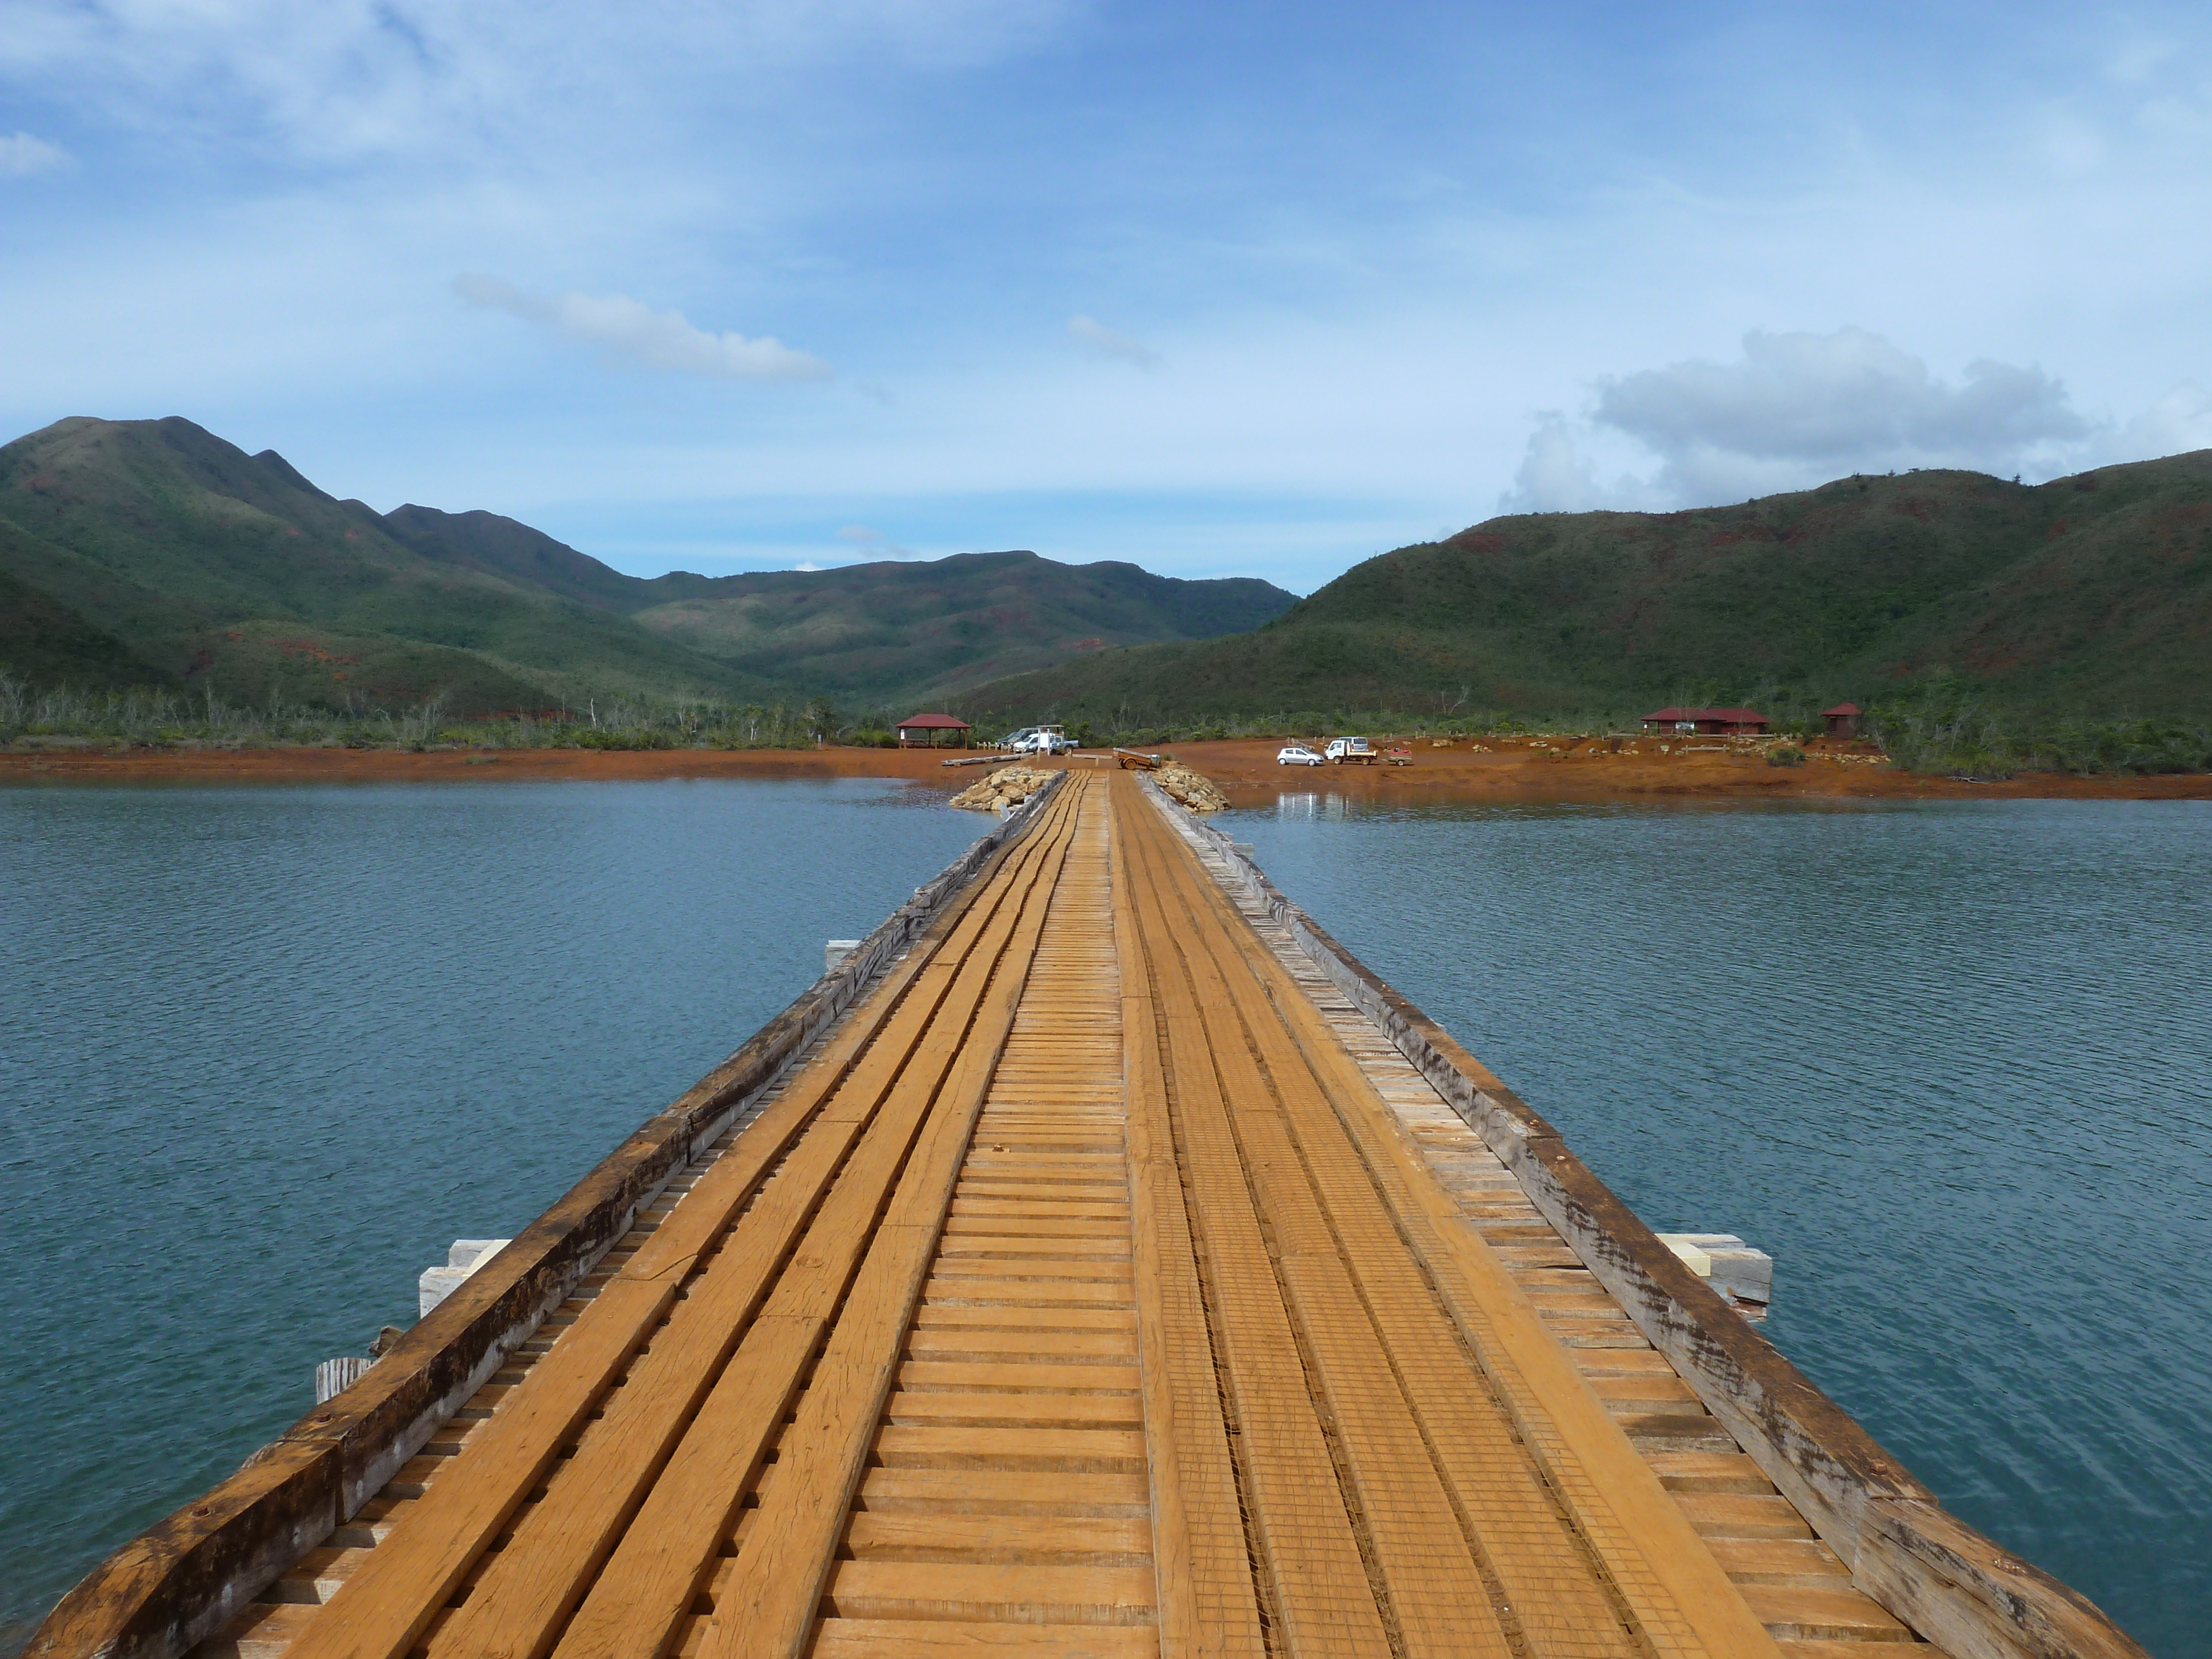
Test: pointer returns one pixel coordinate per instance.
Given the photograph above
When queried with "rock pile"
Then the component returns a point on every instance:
(1181, 784)
(1009, 785)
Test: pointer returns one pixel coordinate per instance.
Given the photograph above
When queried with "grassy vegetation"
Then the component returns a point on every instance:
(1967, 741)
(138, 552)
(2077, 599)
(154, 719)
(1945, 732)
(180, 586)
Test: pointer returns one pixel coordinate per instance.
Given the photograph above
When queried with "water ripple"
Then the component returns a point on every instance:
(1950, 1063)
(266, 1052)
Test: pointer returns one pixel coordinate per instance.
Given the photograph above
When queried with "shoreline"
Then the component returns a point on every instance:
(1505, 769)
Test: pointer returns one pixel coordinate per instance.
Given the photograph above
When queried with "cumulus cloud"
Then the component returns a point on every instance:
(624, 327)
(23, 154)
(1795, 408)
(875, 544)
(1089, 330)
(353, 77)
(1554, 474)
(2179, 421)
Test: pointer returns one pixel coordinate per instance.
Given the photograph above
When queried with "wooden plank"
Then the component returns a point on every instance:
(947, 1638)
(1101, 1451)
(1038, 1342)
(1317, 1580)
(769, 1605)
(1804, 1561)
(1436, 1595)
(652, 1566)
(1068, 1541)
(945, 1590)
(1927, 1566)
(385, 1607)
(962, 1491)
(1797, 1613)
(654, 1574)
(1019, 1378)
(1683, 1601)
(188, 1574)
(1016, 1410)
(1207, 1603)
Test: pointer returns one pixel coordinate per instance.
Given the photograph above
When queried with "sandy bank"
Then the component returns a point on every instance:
(1502, 769)
(1543, 769)
(453, 766)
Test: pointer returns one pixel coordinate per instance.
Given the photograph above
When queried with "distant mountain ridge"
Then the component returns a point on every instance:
(2088, 595)
(154, 553)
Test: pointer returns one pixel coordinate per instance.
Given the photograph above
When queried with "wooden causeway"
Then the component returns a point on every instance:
(1102, 1284)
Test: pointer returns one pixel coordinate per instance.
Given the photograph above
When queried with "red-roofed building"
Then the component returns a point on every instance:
(1710, 721)
(1842, 719)
(929, 731)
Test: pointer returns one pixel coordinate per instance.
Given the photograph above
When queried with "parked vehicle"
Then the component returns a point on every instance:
(1041, 740)
(1350, 752)
(1297, 754)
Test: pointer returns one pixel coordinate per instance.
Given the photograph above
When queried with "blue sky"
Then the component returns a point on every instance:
(1225, 290)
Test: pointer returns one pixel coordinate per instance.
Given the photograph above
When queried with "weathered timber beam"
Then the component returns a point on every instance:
(191, 1574)
(1958, 1589)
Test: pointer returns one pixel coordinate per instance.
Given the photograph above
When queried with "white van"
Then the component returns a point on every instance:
(1354, 750)
(1041, 740)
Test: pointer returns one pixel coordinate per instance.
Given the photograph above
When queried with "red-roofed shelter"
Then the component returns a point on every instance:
(1842, 719)
(932, 732)
(1709, 721)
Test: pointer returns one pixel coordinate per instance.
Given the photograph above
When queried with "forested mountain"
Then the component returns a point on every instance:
(2088, 595)
(152, 552)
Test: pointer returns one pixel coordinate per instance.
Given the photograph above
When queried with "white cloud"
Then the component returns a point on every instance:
(659, 339)
(349, 78)
(1102, 339)
(1797, 409)
(23, 154)
(2179, 421)
(877, 545)
(1554, 474)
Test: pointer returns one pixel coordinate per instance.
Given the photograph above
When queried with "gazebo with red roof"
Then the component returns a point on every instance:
(928, 730)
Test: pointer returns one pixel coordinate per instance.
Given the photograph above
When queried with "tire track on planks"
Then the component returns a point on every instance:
(385, 1607)
(767, 1609)
(1665, 1574)
(1209, 1604)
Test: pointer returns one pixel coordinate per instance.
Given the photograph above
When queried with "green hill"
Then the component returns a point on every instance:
(152, 552)
(923, 632)
(2088, 595)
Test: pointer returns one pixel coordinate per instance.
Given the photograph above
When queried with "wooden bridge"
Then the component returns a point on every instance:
(1102, 1262)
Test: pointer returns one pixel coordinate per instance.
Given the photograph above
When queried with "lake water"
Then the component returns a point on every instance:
(266, 1051)
(1949, 1064)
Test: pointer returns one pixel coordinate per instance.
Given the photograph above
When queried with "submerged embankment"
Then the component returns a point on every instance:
(1510, 769)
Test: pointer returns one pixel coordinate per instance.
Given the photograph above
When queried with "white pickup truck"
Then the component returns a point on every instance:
(1041, 740)
(1352, 751)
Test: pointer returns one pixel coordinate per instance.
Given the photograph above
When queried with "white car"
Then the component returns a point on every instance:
(1297, 754)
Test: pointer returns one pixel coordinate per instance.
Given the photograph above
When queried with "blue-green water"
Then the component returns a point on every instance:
(1950, 1063)
(264, 1053)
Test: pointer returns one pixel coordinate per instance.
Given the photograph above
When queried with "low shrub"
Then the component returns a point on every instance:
(1785, 754)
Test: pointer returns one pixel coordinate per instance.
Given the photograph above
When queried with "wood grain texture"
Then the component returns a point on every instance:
(1117, 1277)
